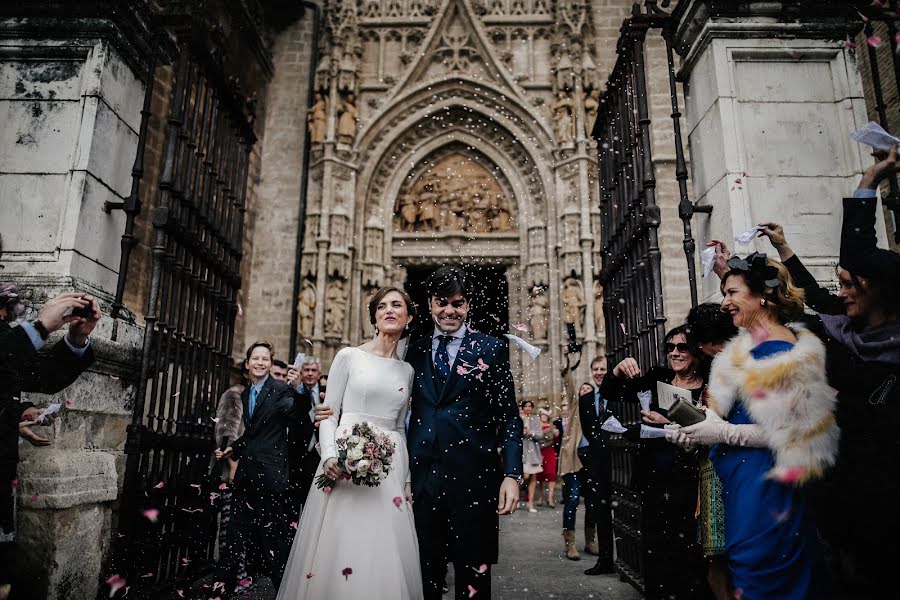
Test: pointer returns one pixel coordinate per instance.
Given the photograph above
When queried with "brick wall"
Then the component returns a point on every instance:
(273, 201)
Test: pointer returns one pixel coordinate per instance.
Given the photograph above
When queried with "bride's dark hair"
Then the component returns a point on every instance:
(378, 296)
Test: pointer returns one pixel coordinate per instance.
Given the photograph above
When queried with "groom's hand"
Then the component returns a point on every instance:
(323, 411)
(509, 496)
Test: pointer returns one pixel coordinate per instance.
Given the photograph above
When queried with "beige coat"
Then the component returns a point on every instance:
(568, 451)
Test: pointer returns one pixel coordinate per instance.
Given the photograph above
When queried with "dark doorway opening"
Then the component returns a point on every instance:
(488, 307)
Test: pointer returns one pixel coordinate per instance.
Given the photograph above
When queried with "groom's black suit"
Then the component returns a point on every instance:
(454, 432)
(261, 507)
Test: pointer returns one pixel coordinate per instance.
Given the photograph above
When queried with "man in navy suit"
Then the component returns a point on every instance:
(593, 410)
(260, 526)
(463, 410)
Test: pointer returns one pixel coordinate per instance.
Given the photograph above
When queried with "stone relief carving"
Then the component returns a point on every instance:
(347, 73)
(563, 122)
(573, 303)
(538, 313)
(335, 306)
(456, 194)
(348, 120)
(456, 51)
(306, 309)
(317, 117)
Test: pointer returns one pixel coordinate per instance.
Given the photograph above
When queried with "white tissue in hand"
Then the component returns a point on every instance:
(532, 351)
(707, 260)
(745, 238)
(652, 432)
(644, 398)
(612, 425)
(53, 408)
(874, 135)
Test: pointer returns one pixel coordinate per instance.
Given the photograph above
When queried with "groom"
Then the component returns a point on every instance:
(463, 410)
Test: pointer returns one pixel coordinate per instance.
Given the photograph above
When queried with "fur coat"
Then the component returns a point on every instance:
(230, 415)
(787, 396)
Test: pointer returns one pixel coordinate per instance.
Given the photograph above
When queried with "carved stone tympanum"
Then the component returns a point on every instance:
(457, 193)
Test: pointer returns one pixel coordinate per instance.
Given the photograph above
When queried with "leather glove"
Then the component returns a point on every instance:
(714, 430)
(675, 436)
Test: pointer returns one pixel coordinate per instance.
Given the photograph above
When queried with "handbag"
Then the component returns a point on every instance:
(685, 413)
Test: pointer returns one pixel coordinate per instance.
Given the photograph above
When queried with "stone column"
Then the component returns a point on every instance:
(72, 93)
(770, 103)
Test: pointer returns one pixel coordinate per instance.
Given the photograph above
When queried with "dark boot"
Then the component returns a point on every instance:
(604, 566)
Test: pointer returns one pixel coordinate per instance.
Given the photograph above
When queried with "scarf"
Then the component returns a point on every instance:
(879, 344)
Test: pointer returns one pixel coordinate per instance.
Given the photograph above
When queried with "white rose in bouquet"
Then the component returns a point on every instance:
(354, 454)
(362, 467)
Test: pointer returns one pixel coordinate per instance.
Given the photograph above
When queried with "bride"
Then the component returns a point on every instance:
(360, 542)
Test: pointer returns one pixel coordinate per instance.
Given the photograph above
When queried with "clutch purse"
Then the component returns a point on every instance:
(685, 413)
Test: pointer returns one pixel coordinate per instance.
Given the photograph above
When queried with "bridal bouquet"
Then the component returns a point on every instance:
(365, 453)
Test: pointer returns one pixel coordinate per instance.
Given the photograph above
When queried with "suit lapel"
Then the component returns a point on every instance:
(425, 367)
(466, 361)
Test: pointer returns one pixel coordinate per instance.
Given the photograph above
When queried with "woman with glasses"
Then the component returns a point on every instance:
(668, 475)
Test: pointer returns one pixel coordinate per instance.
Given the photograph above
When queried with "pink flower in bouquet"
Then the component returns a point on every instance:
(326, 489)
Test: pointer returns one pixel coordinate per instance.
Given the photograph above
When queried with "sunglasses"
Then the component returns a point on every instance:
(680, 346)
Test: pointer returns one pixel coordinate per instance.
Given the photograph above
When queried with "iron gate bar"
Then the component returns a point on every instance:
(192, 305)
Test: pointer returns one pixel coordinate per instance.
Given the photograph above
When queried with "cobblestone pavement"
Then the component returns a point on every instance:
(532, 564)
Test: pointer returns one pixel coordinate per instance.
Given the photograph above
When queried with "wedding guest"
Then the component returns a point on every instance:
(261, 517)
(279, 370)
(860, 326)
(549, 435)
(667, 476)
(596, 486)
(572, 472)
(229, 427)
(22, 369)
(302, 440)
(531, 449)
(771, 375)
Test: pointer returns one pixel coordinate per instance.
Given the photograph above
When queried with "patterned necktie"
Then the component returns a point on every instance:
(252, 404)
(442, 358)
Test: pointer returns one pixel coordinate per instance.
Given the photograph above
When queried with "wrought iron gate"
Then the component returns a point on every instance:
(630, 218)
(168, 518)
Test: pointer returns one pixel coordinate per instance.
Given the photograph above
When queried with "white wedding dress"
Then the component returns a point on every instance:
(356, 542)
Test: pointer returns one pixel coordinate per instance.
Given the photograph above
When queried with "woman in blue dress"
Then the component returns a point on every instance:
(772, 375)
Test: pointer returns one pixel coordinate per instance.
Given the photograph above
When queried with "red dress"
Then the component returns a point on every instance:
(548, 456)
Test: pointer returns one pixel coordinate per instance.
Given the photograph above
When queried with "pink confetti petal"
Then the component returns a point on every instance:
(159, 486)
(401, 389)
(346, 572)
(223, 486)
(738, 181)
(240, 312)
(180, 593)
(478, 377)
(483, 365)
(877, 3)
(849, 44)
(151, 514)
(185, 561)
(214, 419)
(33, 498)
(69, 404)
(472, 591)
(115, 583)
(146, 575)
(293, 524)
(245, 582)
(874, 41)
(398, 501)
(758, 394)
(113, 377)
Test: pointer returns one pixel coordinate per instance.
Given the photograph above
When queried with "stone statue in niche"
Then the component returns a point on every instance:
(348, 120)
(335, 306)
(591, 106)
(538, 313)
(306, 309)
(573, 303)
(563, 123)
(476, 213)
(599, 322)
(317, 118)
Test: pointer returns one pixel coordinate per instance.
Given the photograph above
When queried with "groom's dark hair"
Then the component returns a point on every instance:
(448, 281)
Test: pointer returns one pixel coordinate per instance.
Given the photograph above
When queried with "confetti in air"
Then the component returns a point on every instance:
(152, 514)
(115, 583)
(347, 572)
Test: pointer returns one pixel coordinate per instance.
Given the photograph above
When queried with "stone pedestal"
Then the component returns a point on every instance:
(72, 91)
(771, 99)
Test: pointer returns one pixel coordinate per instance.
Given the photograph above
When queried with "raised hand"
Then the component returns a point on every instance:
(57, 312)
(775, 233)
(887, 165)
(81, 327)
(293, 376)
(627, 368)
(720, 266)
(220, 454)
(26, 432)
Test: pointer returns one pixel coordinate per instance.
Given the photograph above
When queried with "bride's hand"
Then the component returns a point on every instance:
(332, 470)
(407, 492)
